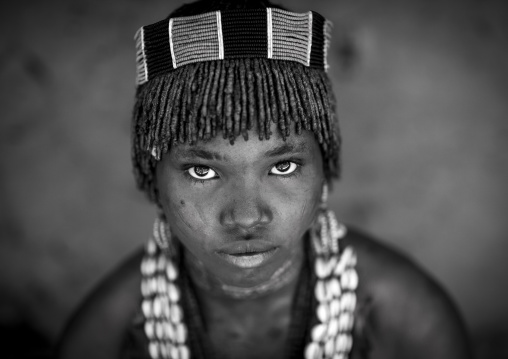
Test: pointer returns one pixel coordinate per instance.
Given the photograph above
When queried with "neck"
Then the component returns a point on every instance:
(207, 284)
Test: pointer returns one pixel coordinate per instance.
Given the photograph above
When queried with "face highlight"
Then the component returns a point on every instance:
(242, 210)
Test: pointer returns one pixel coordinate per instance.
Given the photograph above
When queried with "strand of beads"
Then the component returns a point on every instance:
(335, 288)
(164, 326)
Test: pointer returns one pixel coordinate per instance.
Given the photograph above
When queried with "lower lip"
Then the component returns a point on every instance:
(249, 260)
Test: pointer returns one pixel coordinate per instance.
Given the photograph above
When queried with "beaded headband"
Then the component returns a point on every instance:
(256, 33)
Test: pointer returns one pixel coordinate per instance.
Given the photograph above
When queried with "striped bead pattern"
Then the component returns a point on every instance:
(256, 33)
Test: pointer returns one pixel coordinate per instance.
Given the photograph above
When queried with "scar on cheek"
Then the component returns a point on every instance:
(182, 202)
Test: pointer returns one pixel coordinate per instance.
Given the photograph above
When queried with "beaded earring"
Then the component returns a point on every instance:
(337, 280)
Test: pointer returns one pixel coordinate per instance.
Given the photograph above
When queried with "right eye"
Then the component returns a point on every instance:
(202, 172)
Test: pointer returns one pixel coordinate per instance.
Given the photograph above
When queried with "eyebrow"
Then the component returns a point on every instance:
(277, 151)
(285, 149)
(201, 153)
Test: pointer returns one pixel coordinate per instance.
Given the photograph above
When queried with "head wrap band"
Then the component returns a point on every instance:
(252, 33)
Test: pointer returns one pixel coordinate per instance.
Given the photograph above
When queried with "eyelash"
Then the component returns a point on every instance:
(295, 173)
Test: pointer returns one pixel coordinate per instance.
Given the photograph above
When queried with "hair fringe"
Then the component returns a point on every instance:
(197, 101)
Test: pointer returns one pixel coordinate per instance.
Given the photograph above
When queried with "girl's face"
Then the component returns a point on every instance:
(242, 210)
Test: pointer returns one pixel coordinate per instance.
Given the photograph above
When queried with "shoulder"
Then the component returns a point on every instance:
(410, 314)
(97, 328)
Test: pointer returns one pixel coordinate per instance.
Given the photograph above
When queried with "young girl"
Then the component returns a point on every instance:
(235, 140)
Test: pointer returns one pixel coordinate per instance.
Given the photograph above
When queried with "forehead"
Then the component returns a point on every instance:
(220, 149)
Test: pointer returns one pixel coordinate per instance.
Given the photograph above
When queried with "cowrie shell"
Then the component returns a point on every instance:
(343, 343)
(344, 260)
(329, 347)
(349, 279)
(335, 307)
(151, 247)
(321, 292)
(176, 314)
(323, 267)
(169, 331)
(333, 328)
(171, 271)
(173, 292)
(313, 351)
(318, 332)
(184, 352)
(149, 329)
(159, 330)
(334, 289)
(146, 308)
(180, 333)
(161, 285)
(346, 321)
(348, 302)
(157, 307)
(323, 312)
(153, 348)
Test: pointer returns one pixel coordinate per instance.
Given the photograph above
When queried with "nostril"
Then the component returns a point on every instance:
(245, 216)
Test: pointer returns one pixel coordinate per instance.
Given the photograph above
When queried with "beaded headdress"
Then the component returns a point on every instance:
(231, 67)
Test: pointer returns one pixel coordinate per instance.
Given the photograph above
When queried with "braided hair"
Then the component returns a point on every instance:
(232, 97)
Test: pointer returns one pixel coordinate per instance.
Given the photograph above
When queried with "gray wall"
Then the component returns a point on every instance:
(422, 94)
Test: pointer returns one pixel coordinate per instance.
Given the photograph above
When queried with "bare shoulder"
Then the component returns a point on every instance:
(97, 328)
(409, 314)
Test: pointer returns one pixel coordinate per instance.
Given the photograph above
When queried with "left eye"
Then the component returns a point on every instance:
(202, 172)
(284, 168)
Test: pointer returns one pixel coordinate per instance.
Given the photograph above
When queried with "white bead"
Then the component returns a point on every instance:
(346, 321)
(159, 330)
(313, 351)
(323, 312)
(171, 270)
(335, 307)
(334, 287)
(184, 352)
(343, 343)
(321, 291)
(180, 333)
(348, 302)
(329, 347)
(173, 292)
(349, 279)
(333, 328)
(318, 332)
(146, 308)
(149, 329)
(153, 348)
(176, 313)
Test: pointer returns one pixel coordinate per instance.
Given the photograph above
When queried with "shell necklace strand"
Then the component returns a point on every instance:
(337, 280)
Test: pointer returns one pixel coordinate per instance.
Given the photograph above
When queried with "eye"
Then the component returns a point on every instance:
(284, 168)
(202, 172)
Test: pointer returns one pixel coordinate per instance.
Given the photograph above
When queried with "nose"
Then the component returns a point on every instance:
(245, 209)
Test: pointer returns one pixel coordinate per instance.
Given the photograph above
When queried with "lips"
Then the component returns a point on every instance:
(247, 254)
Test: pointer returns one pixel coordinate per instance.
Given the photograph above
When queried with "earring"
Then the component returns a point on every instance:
(328, 231)
(162, 234)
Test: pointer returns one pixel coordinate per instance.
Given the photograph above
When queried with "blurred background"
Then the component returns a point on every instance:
(422, 88)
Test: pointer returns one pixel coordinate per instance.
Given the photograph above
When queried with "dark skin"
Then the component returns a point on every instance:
(245, 199)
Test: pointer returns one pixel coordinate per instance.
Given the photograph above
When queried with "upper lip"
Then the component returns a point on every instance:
(247, 247)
